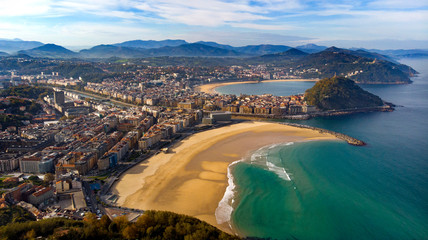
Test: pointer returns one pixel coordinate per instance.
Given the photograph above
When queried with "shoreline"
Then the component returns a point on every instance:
(210, 88)
(192, 180)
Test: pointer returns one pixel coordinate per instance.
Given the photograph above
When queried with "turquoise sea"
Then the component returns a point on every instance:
(332, 190)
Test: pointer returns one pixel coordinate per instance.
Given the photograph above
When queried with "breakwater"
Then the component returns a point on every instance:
(350, 140)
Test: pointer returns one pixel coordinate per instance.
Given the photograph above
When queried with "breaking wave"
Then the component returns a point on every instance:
(224, 209)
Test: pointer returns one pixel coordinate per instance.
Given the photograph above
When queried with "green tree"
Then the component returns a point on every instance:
(30, 235)
(49, 177)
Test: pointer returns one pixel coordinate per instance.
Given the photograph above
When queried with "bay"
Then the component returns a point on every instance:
(338, 191)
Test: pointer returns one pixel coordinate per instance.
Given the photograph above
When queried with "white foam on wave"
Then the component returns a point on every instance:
(274, 145)
(224, 210)
(279, 171)
(260, 157)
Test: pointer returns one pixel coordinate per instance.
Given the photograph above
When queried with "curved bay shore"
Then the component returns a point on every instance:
(192, 179)
(210, 88)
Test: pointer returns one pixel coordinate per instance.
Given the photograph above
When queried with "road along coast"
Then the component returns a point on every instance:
(192, 179)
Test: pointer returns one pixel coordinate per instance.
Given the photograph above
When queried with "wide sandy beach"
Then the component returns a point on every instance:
(210, 88)
(192, 179)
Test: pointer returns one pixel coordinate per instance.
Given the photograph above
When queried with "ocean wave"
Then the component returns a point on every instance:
(260, 158)
(224, 210)
(279, 171)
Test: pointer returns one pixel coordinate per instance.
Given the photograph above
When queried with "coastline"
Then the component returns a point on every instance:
(192, 180)
(210, 88)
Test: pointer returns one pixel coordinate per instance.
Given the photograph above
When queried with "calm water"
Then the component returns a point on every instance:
(276, 88)
(331, 190)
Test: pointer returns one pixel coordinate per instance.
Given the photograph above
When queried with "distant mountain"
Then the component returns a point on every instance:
(414, 55)
(338, 93)
(363, 53)
(49, 51)
(217, 45)
(192, 50)
(3, 54)
(335, 61)
(151, 43)
(107, 51)
(185, 50)
(403, 53)
(311, 48)
(292, 52)
(262, 49)
(12, 46)
(289, 55)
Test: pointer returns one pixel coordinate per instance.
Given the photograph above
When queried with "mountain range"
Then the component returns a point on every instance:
(309, 60)
(151, 48)
(15, 45)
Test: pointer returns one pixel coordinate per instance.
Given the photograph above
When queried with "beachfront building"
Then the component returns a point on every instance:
(149, 139)
(109, 160)
(221, 116)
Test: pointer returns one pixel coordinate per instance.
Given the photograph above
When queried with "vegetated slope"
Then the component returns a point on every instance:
(289, 55)
(14, 45)
(151, 43)
(14, 214)
(193, 50)
(340, 93)
(49, 51)
(329, 63)
(262, 49)
(107, 51)
(151, 225)
(311, 48)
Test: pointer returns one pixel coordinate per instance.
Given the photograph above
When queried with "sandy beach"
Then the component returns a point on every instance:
(192, 179)
(210, 88)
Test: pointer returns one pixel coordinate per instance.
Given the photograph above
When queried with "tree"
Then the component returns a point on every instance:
(131, 232)
(48, 178)
(35, 180)
(30, 234)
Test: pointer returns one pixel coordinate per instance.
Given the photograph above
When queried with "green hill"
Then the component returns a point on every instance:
(340, 93)
(358, 68)
(151, 225)
(50, 51)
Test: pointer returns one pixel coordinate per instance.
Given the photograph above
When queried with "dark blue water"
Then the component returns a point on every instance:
(338, 191)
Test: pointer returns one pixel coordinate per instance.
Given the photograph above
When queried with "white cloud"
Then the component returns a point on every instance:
(117, 20)
(203, 13)
(78, 33)
(12, 8)
(262, 26)
(399, 4)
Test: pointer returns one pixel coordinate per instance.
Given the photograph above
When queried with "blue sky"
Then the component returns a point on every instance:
(379, 24)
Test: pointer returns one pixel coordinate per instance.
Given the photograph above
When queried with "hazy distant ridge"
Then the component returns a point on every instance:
(178, 47)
